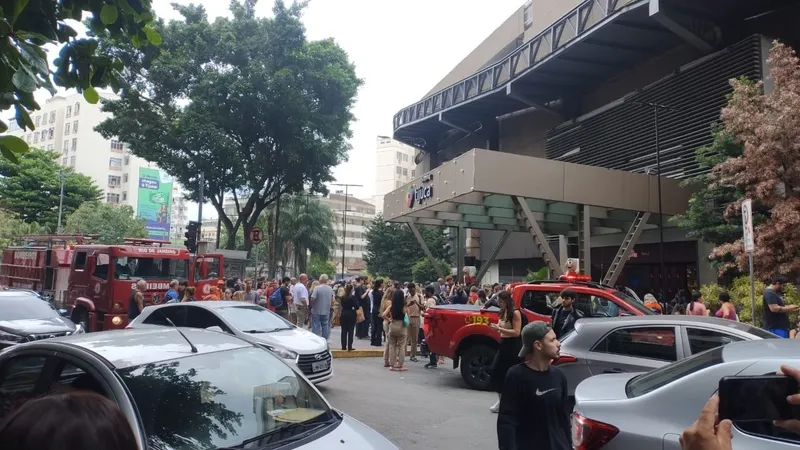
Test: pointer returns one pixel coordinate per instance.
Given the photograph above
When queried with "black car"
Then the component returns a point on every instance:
(24, 317)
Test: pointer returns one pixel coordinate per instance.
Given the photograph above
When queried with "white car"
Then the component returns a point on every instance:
(308, 352)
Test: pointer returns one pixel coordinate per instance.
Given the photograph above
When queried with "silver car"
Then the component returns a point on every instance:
(642, 343)
(185, 389)
(651, 410)
(308, 352)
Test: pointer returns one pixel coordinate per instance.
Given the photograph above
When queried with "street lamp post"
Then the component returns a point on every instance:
(61, 177)
(344, 218)
(656, 108)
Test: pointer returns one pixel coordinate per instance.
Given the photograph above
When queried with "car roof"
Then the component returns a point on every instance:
(128, 348)
(658, 319)
(208, 304)
(17, 293)
(782, 349)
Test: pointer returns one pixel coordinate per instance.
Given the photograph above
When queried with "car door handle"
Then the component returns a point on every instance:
(614, 370)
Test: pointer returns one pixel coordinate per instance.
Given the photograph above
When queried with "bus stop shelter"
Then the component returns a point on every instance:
(491, 190)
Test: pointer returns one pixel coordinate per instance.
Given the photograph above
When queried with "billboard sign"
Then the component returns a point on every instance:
(155, 202)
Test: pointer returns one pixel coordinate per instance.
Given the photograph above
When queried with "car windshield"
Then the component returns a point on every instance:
(224, 399)
(633, 303)
(665, 375)
(25, 307)
(150, 269)
(253, 318)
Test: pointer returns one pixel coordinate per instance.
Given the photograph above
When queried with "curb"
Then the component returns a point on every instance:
(360, 354)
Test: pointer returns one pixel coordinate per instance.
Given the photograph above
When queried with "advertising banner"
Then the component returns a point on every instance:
(155, 202)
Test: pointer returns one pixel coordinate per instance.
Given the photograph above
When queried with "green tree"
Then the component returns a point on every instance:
(392, 248)
(423, 271)
(11, 227)
(248, 102)
(306, 225)
(317, 266)
(111, 223)
(31, 188)
(27, 26)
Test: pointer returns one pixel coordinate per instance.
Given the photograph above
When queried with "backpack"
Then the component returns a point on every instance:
(275, 298)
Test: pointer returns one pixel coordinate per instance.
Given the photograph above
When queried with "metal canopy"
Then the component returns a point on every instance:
(477, 190)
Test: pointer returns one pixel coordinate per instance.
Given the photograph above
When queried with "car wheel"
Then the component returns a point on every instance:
(81, 316)
(476, 367)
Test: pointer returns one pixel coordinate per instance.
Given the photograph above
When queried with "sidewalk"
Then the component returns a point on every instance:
(361, 347)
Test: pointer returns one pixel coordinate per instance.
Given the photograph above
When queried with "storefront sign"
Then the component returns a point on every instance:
(419, 195)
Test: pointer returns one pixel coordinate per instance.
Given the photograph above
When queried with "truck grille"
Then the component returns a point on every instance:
(306, 362)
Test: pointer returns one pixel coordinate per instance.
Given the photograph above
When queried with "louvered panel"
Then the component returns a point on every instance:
(623, 137)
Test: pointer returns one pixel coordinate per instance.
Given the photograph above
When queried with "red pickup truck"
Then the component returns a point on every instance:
(461, 332)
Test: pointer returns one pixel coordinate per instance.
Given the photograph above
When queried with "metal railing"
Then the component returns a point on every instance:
(571, 26)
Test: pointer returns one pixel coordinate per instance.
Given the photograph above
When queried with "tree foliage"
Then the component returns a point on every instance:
(739, 291)
(392, 248)
(248, 102)
(768, 171)
(318, 266)
(424, 272)
(31, 188)
(11, 227)
(306, 225)
(112, 223)
(27, 26)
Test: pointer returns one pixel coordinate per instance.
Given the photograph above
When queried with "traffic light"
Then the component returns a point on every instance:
(192, 232)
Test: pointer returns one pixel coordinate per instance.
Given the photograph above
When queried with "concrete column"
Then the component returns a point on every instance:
(563, 250)
(474, 243)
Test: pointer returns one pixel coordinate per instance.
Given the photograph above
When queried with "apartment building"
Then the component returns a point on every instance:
(394, 167)
(66, 124)
(350, 227)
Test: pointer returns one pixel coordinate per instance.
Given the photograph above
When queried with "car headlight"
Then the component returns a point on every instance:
(8, 337)
(283, 353)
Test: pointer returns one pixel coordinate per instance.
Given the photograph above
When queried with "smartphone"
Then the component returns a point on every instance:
(757, 399)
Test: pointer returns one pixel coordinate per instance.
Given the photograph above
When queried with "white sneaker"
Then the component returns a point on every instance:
(495, 408)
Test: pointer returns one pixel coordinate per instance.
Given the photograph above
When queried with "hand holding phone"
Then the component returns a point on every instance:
(757, 399)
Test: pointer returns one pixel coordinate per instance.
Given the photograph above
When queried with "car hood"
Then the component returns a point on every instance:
(24, 327)
(296, 340)
(350, 435)
(603, 387)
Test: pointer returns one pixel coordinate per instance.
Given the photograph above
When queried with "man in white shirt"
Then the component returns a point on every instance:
(300, 295)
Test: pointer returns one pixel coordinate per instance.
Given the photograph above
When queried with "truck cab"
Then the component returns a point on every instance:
(103, 277)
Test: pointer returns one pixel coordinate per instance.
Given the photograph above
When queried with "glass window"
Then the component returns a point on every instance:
(202, 318)
(80, 260)
(38, 120)
(398, 170)
(399, 157)
(74, 144)
(539, 302)
(645, 342)
(19, 378)
(66, 128)
(72, 161)
(75, 126)
(632, 303)
(527, 14)
(101, 267)
(115, 163)
(405, 157)
(66, 146)
(177, 314)
(149, 269)
(25, 307)
(206, 269)
(665, 375)
(125, 178)
(69, 111)
(35, 137)
(77, 108)
(64, 161)
(52, 117)
(405, 172)
(413, 173)
(222, 399)
(111, 197)
(124, 195)
(701, 339)
(51, 132)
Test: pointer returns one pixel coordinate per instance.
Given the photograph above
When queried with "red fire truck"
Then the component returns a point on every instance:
(101, 278)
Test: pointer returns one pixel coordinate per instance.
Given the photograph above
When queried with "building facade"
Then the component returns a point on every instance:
(350, 226)
(566, 132)
(394, 167)
(65, 124)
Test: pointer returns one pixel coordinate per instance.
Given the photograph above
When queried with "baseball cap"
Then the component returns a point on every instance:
(532, 332)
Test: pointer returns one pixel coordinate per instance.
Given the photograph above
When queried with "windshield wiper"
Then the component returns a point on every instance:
(279, 435)
(278, 329)
(254, 331)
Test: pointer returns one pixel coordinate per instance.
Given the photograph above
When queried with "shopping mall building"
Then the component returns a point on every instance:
(566, 134)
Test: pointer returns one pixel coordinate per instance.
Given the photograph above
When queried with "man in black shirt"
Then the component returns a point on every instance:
(776, 313)
(564, 316)
(532, 406)
(286, 294)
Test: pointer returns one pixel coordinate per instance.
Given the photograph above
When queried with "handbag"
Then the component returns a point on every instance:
(360, 315)
(405, 320)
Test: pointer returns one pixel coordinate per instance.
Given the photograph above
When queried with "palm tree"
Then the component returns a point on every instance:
(306, 226)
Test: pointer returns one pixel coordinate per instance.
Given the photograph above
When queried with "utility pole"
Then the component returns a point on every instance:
(344, 218)
(61, 177)
(656, 108)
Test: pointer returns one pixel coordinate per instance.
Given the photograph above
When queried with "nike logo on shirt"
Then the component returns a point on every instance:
(540, 393)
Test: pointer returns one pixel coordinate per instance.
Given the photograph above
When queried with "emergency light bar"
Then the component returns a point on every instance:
(572, 278)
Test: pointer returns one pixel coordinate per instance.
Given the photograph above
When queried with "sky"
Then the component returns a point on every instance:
(401, 49)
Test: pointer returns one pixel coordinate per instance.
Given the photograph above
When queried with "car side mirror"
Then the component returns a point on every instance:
(63, 313)
(215, 328)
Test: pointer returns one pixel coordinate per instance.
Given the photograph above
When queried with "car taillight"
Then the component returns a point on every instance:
(588, 434)
(564, 359)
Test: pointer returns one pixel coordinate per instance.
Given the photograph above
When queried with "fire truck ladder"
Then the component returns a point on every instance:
(624, 251)
(539, 238)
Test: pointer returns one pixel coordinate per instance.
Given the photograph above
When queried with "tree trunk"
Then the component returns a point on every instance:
(270, 243)
(230, 244)
(274, 248)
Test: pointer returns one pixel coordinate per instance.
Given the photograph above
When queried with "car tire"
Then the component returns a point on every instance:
(476, 367)
(81, 316)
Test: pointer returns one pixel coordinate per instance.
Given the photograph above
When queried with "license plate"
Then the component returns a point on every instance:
(319, 366)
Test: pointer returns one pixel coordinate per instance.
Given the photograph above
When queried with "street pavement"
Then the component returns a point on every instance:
(417, 410)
